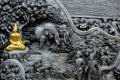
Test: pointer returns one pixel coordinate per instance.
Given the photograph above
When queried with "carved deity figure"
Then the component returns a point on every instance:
(15, 40)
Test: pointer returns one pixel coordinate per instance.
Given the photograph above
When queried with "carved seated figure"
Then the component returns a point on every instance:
(15, 40)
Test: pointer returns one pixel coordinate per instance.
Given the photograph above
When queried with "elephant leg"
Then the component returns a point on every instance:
(42, 41)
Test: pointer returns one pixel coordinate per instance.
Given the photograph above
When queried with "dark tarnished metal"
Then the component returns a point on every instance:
(60, 46)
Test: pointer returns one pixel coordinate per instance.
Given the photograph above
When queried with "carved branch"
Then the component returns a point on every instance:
(27, 22)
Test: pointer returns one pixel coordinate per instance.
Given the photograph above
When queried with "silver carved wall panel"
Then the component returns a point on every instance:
(59, 47)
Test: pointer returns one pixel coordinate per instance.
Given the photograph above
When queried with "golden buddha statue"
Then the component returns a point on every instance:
(15, 40)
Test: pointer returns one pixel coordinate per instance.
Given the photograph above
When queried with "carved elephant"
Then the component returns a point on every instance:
(45, 31)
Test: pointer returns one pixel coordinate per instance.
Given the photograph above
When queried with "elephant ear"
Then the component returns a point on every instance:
(66, 37)
(39, 31)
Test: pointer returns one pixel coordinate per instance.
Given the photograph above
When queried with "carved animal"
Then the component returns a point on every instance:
(43, 31)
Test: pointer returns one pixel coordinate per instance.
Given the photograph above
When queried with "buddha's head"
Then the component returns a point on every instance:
(15, 28)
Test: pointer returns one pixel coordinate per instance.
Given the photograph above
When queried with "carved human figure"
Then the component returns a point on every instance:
(83, 24)
(104, 59)
(116, 25)
(111, 29)
(93, 70)
(76, 22)
(80, 65)
(64, 33)
(103, 55)
(117, 72)
(109, 76)
(93, 67)
(47, 75)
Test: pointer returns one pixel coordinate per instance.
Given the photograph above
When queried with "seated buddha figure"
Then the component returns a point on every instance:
(15, 40)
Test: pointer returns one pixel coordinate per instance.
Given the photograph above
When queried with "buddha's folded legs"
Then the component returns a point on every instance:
(13, 47)
(21, 47)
